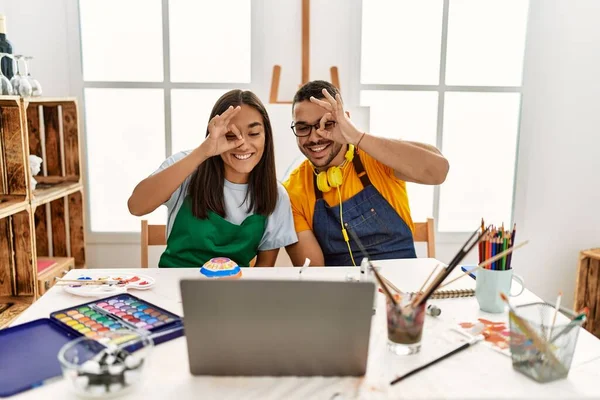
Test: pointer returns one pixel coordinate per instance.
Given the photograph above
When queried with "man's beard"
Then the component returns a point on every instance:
(321, 163)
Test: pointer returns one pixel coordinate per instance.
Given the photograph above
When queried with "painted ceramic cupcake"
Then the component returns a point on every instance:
(221, 267)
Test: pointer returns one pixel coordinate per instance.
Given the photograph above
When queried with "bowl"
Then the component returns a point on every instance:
(108, 366)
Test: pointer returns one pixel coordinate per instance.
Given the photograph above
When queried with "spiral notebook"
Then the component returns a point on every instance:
(451, 293)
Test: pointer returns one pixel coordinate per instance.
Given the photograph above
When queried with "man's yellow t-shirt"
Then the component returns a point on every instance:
(300, 187)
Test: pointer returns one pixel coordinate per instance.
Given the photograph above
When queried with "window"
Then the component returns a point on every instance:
(448, 73)
(151, 74)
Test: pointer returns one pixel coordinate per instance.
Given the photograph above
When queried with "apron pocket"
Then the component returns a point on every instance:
(370, 227)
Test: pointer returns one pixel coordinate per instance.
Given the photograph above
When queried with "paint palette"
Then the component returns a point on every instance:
(109, 284)
(496, 334)
(114, 313)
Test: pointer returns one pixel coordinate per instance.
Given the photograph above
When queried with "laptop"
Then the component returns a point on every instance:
(277, 327)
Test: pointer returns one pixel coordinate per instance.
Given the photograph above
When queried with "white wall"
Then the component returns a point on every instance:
(40, 28)
(557, 204)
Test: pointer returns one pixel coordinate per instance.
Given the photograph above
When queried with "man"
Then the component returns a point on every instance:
(365, 196)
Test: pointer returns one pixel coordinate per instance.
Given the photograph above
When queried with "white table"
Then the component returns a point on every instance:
(477, 372)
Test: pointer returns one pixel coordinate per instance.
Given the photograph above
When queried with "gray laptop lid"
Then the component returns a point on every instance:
(275, 327)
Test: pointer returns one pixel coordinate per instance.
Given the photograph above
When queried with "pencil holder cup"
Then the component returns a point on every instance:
(490, 283)
(404, 325)
(105, 367)
(539, 349)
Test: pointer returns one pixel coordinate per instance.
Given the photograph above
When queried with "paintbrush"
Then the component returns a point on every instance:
(390, 284)
(466, 345)
(578, 320)
(379, 279)
(467, 247)
(90, 283)
(487, 262)
(303, 268)
(420, 291)
(555, 314)
(95, 281)
(540, 344)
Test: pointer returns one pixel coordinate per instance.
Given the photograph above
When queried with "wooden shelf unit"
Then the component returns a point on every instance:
(47, 221)
(57, 201)
(16, 305)
(10, 205)
(14, 162)
(587, 289)
(47, 194)
(48, 277)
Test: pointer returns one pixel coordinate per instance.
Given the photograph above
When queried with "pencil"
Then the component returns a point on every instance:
(504, 247)
(512, 240)
(489, 250)
(494, 248)
(481, 244)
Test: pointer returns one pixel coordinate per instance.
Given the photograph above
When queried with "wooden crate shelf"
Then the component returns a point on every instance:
(46, 194)
(53, 127)
(59, 228)
(17, 275)
(587, 289)
(14, 160)
(11, 307)
(47, 221)
(10, 205)
(48, 277)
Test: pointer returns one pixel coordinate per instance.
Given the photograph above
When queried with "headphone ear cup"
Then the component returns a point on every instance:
(322, 183)
(335, 177)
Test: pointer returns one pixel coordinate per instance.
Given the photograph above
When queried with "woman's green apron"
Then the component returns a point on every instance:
(194, 241)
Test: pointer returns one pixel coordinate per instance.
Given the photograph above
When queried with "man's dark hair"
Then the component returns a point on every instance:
(313, 89)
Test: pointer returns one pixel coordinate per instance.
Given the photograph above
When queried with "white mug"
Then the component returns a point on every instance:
(489, 284)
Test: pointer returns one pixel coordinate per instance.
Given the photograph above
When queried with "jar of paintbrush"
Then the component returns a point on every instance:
(404, 324)
(543, 339)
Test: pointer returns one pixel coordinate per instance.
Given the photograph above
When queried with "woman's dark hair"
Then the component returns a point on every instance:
(206, 186)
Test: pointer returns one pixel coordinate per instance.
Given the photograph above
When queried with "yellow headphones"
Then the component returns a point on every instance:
(334, 176)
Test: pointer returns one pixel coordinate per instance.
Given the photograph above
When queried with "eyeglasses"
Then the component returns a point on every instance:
(302, 130)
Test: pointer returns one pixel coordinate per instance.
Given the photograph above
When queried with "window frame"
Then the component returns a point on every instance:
(441, 88)
(78, 86)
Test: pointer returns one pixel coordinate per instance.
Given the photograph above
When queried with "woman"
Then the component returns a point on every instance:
(223, 197)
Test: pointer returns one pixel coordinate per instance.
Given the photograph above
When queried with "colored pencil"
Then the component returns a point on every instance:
(512, 239)
(496, 241)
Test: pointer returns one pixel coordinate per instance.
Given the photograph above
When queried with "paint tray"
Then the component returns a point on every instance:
(34, 343)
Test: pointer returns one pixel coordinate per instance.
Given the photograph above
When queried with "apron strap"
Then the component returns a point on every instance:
(358, 167)
(360, 170)
(318, 193)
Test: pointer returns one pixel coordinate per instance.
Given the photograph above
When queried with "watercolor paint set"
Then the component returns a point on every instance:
(118, 312)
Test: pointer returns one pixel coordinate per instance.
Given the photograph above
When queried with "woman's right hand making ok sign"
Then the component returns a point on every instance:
(220, 129)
